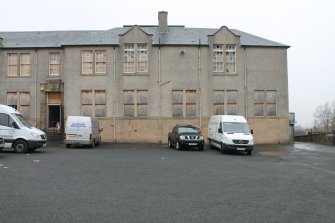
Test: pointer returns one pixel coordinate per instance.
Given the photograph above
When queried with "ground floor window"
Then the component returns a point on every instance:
(225, 102)
(184, 103)
(265, 103)
(135, 103)
(19, 101)
(93, 103)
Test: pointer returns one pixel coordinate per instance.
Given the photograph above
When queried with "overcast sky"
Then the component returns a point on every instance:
(308, 26)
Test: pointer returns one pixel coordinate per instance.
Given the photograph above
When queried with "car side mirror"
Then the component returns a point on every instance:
(100, 130)
(251, 131)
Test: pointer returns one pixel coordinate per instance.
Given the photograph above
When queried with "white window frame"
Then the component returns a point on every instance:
(135, 58)
(230, 62)
(218, 58)
(54, 63)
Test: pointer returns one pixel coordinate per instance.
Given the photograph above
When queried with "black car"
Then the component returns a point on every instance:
(183, 136)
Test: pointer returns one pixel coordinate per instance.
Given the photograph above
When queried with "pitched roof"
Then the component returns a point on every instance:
(177, 35)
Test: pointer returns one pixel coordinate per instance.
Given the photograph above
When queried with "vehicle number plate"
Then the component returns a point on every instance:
(72, 136)
(240, 149)
(192, 144)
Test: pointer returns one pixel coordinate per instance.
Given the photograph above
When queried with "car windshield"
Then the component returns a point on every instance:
(23, 121)
(235, 127)
(187, 130)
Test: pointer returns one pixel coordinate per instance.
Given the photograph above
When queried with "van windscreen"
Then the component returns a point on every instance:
(23, 121)
(236, 127)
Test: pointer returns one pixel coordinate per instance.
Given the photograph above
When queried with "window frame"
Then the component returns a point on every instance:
(135, 58)
(266, 103)
(93, 62)
(22, 101)
(136, 103)
(21, 64)
(56, 63)
(188, 103)
(224, 59)
(93, 103)
(226, 101)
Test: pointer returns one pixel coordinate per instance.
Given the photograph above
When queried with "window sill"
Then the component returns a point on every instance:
(224, 74)
(135, 74)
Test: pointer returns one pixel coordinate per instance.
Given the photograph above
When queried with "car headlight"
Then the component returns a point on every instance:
(182, 137)
(201, 137)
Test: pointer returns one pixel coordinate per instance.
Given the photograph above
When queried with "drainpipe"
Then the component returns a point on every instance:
(199, 88)
(245, 84)
(160, 84)
(36, 87)
(114, 95)
(159, 93)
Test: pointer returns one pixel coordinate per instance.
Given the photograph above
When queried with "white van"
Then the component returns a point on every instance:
(82, 130)
(17, 133)
(230, 132)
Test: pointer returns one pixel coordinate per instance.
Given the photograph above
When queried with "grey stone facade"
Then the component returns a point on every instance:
(179, 59)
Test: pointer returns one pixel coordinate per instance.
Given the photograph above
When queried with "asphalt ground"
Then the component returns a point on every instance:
(152, 183)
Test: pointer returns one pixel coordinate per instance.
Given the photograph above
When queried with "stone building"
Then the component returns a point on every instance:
(141, 80)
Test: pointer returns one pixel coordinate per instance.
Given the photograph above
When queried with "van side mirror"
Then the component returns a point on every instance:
(251, 131)
(220, 130)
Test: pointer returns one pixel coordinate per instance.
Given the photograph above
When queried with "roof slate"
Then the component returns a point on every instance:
(177, 35)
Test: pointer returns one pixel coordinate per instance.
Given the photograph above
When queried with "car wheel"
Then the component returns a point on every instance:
(68, 145)
(169, 144)
(249, 153)
(20, 146)
(201, 147)
(178, 147)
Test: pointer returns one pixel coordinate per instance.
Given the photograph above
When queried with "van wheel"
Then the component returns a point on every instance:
(93, 144)
(20, 146)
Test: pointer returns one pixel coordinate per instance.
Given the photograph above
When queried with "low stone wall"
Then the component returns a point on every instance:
(326, 138)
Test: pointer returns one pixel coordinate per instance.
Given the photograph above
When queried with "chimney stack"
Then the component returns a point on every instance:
(162, 22)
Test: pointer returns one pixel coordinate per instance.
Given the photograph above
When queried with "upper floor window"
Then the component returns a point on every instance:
(230, 63)
(19, 64)
(265, 103)
(218, 58)
(54, 64)
(94, 62)
(135, 57)
(225, 64)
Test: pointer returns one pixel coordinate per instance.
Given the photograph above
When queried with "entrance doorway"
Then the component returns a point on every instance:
(54, 115)
(54, 109)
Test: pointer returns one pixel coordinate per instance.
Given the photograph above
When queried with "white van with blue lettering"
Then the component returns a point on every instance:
(18, 133)
(230, 132)
(82, 130)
